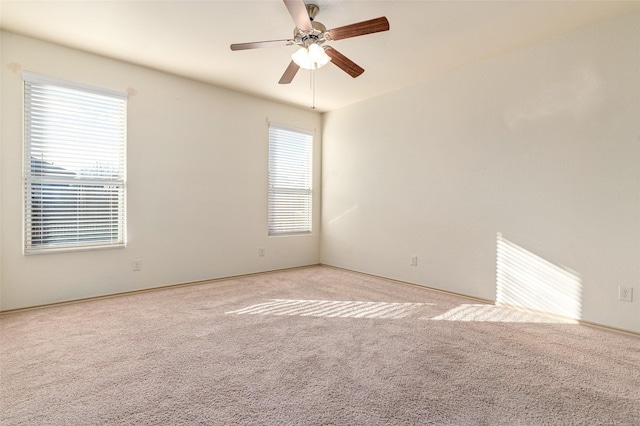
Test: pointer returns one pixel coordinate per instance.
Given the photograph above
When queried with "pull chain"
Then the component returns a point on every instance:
(313, 89)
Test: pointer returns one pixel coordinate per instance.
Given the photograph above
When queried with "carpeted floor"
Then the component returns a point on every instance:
(311, 346)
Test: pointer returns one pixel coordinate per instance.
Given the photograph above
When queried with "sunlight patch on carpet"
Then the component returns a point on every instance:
(332, 309)
(490, 313)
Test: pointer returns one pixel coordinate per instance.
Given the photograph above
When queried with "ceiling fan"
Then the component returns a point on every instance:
(310, 35)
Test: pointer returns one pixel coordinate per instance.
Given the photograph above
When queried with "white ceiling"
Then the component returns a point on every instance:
(192, 38)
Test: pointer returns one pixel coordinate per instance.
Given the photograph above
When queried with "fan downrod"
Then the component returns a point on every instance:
(312, 10)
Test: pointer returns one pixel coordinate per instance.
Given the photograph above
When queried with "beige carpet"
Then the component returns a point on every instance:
(312, 346)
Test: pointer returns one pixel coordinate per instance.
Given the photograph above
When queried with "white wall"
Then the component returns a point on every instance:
(541, 145)
(197, 183)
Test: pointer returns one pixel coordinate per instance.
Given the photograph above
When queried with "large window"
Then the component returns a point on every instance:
(74, 166)
(290, 160)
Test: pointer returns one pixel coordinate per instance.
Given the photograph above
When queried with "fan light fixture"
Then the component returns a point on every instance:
(311, 58)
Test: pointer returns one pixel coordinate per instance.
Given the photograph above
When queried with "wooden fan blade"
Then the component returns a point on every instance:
(289, 73)
(344, 63)
(298, 12)
(361, 28)
(260, 44)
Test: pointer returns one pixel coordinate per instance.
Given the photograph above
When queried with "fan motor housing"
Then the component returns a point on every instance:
(316, 35)
(306, 38)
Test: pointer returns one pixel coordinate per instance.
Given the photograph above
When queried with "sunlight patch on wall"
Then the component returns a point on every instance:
(526, 280)
(491, 313)
(343, 214)
(332, 309)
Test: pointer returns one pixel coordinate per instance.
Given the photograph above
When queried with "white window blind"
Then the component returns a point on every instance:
(290, 165)
(74, 165)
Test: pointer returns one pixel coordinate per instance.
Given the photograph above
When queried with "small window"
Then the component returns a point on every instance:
(74, 166)
(290, 160)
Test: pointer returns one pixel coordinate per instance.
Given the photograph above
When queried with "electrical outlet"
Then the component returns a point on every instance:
(625, 294)
(261, 251)
(414, 260)
(136, 265)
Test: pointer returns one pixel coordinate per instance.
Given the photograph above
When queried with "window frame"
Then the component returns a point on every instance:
(93, 196)
(299, 192)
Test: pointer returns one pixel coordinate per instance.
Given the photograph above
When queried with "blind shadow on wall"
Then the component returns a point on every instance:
(528, 281)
